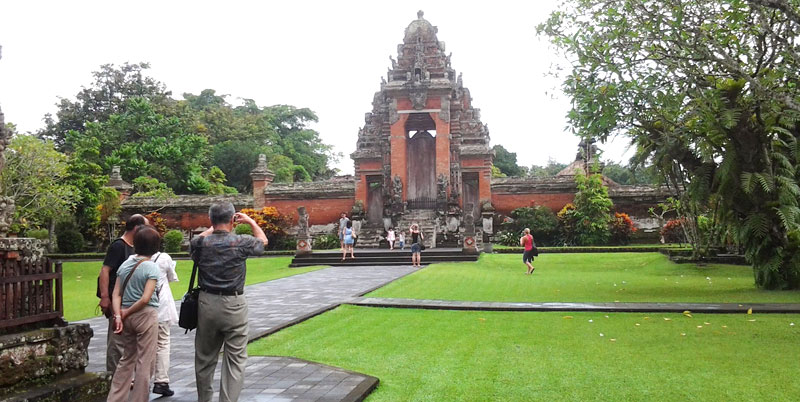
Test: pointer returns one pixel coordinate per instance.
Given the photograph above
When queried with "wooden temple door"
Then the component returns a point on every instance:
(374, 199)
(422, 171)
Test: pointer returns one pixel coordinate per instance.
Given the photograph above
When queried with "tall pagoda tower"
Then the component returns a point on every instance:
(423, 146)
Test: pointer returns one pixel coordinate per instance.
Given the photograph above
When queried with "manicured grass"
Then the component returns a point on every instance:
(606, 277)
(80, 281)
(424, 355)
(637, 245)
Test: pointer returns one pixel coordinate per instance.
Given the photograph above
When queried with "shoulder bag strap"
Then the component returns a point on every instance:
(194, 266)
(127, 278)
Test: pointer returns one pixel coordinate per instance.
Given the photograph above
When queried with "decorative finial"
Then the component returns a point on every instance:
(420, 13)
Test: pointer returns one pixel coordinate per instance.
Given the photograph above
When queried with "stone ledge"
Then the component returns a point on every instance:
(81, 387)
(187, 201)
(345, 189)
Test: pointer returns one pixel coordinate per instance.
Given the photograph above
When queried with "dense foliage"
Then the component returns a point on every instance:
(539, 219)
(707, 92)
(621, 229)
(271, 222)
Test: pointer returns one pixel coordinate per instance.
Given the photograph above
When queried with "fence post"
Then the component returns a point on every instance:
(59, 289)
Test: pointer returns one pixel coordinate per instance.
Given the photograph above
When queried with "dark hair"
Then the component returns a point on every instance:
(349, 224)
(134, 221)
(221, 213)
(146, 240)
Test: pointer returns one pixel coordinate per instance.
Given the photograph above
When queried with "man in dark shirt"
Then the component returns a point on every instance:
(222, 309)
(119, 251)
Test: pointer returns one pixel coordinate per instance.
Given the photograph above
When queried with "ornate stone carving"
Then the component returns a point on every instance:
(418, 98)
(441, 187)
(444, 113)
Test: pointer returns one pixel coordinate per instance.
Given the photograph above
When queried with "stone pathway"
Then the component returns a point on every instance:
(761, 308)
(275, 305)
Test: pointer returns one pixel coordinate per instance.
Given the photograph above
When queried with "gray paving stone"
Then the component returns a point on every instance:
(272, 306)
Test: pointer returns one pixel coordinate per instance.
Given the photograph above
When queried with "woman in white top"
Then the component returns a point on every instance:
(390, 238)
(167, 317)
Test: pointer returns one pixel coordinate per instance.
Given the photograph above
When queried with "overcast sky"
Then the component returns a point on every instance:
(328, 56)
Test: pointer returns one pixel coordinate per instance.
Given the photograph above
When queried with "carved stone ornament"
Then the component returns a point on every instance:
(393, 115)
(418, 99)
(444, 114)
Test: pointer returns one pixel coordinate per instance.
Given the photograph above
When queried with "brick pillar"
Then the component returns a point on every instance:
(262, 177)
(398, 143)
(442, 146)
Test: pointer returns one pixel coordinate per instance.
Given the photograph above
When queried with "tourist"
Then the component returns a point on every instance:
(349, 239)
(390, 238)
(118, 252)
(526, 241)
(167, 316)
(401, 240)
(135, 307)
(342, 224)
(222, 308)
(416, 245)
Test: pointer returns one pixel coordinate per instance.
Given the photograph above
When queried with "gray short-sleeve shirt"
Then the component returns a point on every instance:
(147, 270)
(221, 260)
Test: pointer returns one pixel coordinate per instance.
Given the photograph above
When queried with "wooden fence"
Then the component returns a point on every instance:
(30, 293)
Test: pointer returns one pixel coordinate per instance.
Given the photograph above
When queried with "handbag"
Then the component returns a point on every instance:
(190, 303)
(534, 250)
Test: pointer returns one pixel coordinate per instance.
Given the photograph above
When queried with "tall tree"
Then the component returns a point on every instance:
(106, 95)
(551, 169)
(507, 161)
(34, 177)
(708, 92)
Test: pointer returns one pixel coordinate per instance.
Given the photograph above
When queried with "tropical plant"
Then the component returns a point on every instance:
(707, 92)
(621, 228)
(326, 242)
(271, 222)
(592, 213)
(673, 232)
(243, 229)
(68, 237)
(157, 221)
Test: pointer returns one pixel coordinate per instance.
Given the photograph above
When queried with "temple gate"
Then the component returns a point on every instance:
(424, 141)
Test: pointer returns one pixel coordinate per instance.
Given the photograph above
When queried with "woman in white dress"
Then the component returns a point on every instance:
(167, 316)
(390, 238)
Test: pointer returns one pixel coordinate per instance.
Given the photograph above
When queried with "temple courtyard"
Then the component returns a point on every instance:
(593, 326)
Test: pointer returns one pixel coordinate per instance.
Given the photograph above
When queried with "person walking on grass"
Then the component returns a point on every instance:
(349, 239)
(118, 252)
(526, 241)
(222, 307)
(416, 245)
(167, 316)
(135, 308)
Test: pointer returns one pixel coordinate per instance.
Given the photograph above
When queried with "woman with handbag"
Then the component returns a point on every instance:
(416, 245)
(135, 305)
(526, 241)
(349, 240)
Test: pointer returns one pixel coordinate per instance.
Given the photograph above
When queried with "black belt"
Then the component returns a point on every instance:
(224, 292)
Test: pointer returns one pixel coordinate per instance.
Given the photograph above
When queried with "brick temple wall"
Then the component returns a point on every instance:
(324, 201)
(187, 212)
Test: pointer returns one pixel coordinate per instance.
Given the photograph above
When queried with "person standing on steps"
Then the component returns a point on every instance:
(390, 238)
(222, 308)
(167, 317)
(401, 240)
(416, 245)
(526, 241)
(349, 239)
(118, 252)
(342, 225)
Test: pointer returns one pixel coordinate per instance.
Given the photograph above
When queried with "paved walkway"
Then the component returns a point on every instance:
(274, 305)
(760, 308)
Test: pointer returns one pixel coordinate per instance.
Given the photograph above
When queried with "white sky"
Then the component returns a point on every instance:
(328, 56)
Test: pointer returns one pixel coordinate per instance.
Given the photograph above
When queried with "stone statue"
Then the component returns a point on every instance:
(394, 62)
(302, 222)
(397, 189)
(441, 187)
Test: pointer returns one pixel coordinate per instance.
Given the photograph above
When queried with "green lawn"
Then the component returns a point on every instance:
(425, 355)
(80, 281)
(598, 277)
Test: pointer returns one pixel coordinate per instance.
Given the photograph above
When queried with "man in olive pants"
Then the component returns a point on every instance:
(222, 309)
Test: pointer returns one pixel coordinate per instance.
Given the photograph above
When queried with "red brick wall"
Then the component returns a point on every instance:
(398, 143)
(505, 203)
(320, 211)
(187, 220)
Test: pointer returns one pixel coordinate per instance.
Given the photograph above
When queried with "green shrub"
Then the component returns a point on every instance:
(541, 221)
(243, 229)
(39, 234)
(68, 238)
(507, 238)
(172, 241)
(672, 232)
(325, 242)
(286, 243)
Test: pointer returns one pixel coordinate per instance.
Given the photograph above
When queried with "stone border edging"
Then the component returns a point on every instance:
(713, 308)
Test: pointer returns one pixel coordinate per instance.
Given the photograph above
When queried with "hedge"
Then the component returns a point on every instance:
(183, 254)
(610, 249)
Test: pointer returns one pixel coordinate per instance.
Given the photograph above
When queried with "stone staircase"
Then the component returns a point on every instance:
(382, 257)
(425, 218)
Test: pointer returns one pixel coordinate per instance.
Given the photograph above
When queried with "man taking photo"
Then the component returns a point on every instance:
(222, 307)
